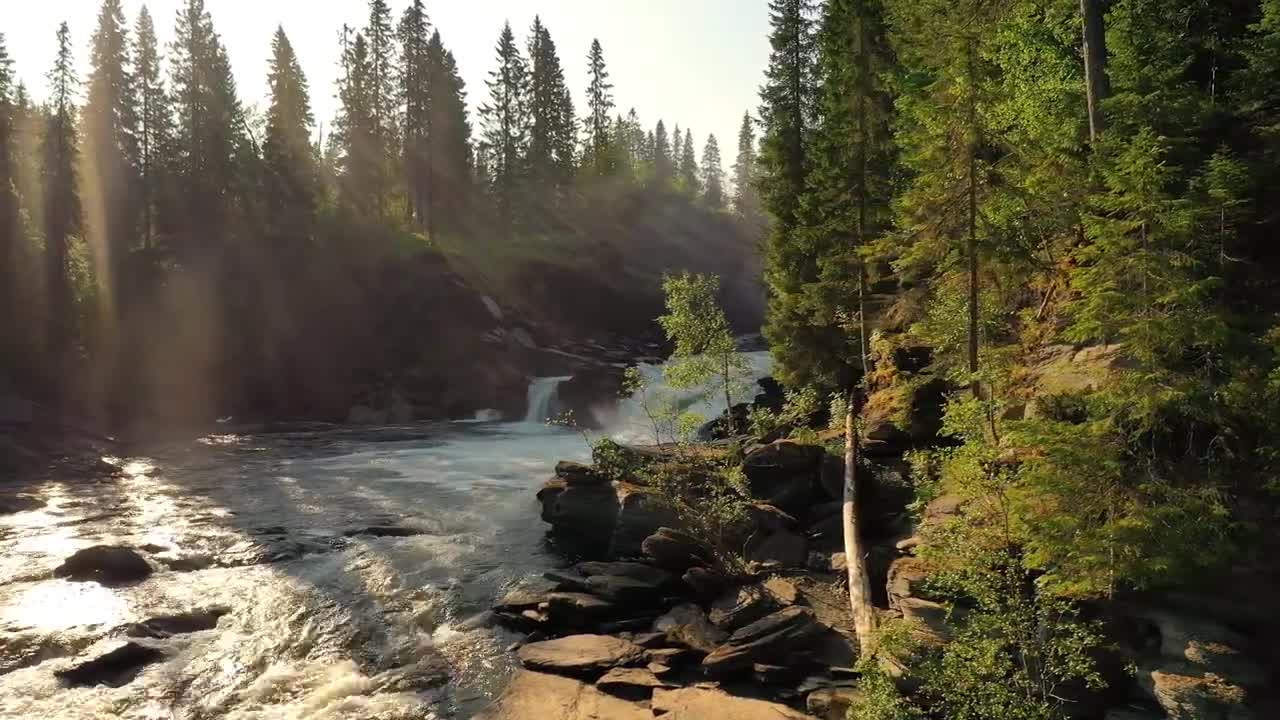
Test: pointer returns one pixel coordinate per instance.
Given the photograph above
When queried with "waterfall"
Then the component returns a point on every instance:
(542, 398)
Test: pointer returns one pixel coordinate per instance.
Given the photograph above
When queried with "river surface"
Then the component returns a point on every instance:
(322, 621)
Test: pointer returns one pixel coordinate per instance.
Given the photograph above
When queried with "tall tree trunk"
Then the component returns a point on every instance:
(1097, 84)
(864, 618)
(972, 249)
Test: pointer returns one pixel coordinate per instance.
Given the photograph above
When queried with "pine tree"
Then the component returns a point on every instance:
(416, 96)
(506, 129)
(155, 124)
(746, 201)
(63, 218)
(111, 144)
(677, 152)
(689, 181)
(552, 128)
(712, 174)
(599, 109)
(291, 180)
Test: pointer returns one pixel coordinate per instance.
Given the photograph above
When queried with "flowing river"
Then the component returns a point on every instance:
(354, 567)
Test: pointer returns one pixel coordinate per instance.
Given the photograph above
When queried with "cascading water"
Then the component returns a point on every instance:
(351, 563)
(542, 398)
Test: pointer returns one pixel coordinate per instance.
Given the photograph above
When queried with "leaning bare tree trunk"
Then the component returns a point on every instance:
(1096, 83)
(864, 617)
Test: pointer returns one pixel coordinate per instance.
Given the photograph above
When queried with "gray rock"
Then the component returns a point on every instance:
(580, 654)
(832, 703)
(636, 570)
(768, 640)
(676, 550)
(744, 605)
(104, 564)
(705, 582)
(624, 590)
(788, 549)
(579, 474)
(687, 625)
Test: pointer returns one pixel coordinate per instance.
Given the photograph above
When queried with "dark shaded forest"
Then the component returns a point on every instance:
(170, 254)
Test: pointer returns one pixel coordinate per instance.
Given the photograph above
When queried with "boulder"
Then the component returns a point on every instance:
(1193, 695)
(604, 520)
(932, 621)
(115, 668)
(771, 466)
(769, 518)
(165, 626)
(580, 654)
(768, 640)
(104, 564)
(832, 703)
(532, 695)
(636, 570)
(641, 512)
(687, 625)
(19, 503)
(700, 703)
(676, 550)
(578, 474)
(749, 603)
(705, 582)
(576, 610)
(624, 590)
(784, 547)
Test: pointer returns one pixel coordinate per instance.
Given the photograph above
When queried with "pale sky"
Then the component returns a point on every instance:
(696, 62)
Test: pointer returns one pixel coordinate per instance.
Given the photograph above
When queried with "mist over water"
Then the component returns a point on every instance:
(322, 622)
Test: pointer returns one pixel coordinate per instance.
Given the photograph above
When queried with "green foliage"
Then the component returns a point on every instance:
(711, 501)
(616, 462)
(706, 354)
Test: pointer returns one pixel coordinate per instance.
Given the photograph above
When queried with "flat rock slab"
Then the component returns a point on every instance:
(536, 696)
(631, 678)
(707, 704)
(580, 654)
(767, 640)
(634, 570)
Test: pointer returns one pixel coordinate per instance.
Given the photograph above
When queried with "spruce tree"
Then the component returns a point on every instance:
(155, 125)
(787, 115)
(10, 226)
(599, 109)
(415, 97)
(361, 154)
(450, 138)
(689, 181)
(552, 127)
(746, 201)
(291, 177)
(712, 175)
(111, 144)
(381, 40)
(677, 152)
(505, 120)
(63, 217)
(664, 169)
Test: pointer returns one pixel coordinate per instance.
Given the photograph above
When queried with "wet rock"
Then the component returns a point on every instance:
(382, 531)
(532, 695)
(580, 654)
(104, 564)
(115, 668)
(567, 582)
(187, 563)
(832, 703)
(582, 517)
(676, 550)
(11, 504)
(687, 625)
(768, 640)
(165, 626)
(578, 474)
(786, 548)
(704, 703)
